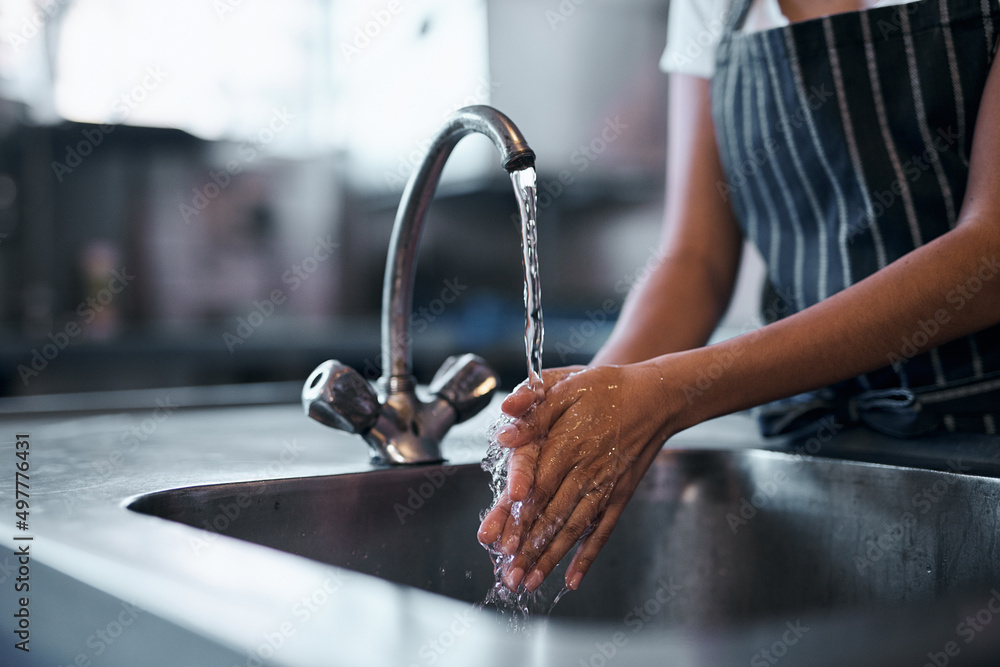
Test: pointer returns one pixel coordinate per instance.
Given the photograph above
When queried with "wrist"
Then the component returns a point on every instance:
(700, 382)
(658, 400)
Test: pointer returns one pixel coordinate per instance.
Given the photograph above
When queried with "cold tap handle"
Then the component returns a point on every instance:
(336, 395)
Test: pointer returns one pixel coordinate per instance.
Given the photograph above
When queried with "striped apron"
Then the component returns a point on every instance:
(845, 142)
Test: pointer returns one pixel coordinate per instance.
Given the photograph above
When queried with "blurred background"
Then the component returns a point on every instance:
(201, 192)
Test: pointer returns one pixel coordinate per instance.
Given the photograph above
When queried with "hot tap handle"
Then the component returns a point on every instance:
(336, 395)
(467, 383)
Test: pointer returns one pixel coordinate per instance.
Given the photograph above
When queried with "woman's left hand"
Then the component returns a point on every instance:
(596, 432)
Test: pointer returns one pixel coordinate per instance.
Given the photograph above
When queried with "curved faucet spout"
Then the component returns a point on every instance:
(400, 427)
(397, 288)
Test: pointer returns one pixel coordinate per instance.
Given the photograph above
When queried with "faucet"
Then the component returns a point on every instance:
(399, 426)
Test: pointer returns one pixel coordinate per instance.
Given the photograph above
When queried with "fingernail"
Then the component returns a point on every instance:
(574, 582)
(506, 434)
(534, 580)
(514, 577)
(510, 544)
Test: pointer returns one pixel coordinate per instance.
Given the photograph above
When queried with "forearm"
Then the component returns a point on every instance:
(690, 282)
(675, 308)
(855, 331)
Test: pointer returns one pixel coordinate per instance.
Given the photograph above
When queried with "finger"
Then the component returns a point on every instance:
(521, 473)
(515, 434)
(526, 429)
(537, 498)
(493, 523)
(571, 510)
(524, 397)
(580, 521)
(592, 544)
(526, 393)
(510, 538)
(519, 401)
(546, 419)
(509, 542)
(536, 421)
(544, 467)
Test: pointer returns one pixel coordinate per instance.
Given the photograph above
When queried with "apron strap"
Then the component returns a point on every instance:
(898, 412)
(736, 15)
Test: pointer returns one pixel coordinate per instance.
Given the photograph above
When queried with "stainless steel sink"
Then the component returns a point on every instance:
(711, 539)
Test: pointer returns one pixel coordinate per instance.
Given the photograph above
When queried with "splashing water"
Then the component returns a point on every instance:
(512, 605)
(517, 606)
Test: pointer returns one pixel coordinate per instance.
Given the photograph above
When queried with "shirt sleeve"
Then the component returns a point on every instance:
(694, 28)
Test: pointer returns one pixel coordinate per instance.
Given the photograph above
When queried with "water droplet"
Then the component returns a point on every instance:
(559, 596)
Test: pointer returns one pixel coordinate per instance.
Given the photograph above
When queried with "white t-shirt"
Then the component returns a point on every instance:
(695, 28)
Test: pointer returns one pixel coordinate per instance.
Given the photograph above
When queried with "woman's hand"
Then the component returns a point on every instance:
(579, 454)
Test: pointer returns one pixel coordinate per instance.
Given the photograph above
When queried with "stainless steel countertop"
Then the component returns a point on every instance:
(114, 587)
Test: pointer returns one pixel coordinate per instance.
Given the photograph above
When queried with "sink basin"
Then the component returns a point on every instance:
(711, 538)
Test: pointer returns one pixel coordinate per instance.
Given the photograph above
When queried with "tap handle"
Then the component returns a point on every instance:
(336, 395)
(467, 383)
